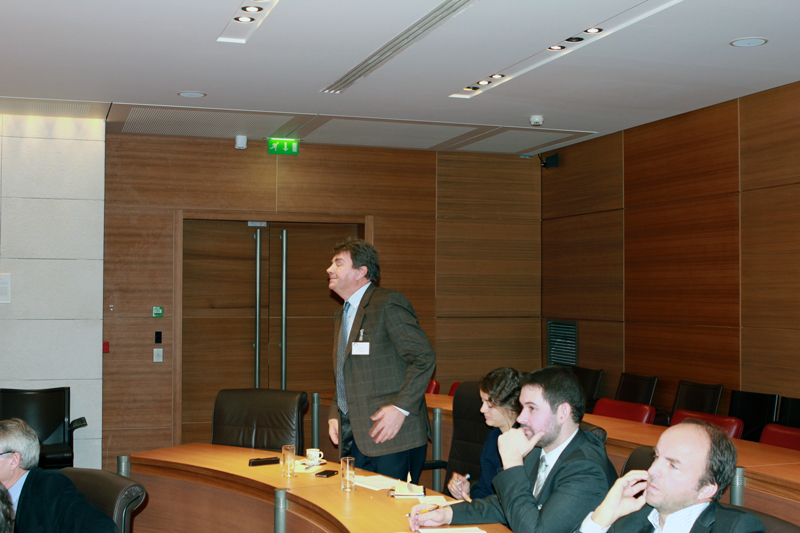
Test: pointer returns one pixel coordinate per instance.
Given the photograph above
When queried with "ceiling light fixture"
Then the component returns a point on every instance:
(240, 28)
(574, 39)
(484, 82)
(748, 42)
(191, 94)
(556, 47)
(252, 9)
(244, 19)
(593, 30)
(498, 76)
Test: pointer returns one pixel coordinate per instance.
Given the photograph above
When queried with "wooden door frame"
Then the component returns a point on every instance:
(364, 221)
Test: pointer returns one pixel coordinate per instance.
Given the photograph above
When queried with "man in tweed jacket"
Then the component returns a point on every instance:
(378, 414)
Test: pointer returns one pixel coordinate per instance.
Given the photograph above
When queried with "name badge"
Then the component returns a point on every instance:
(360, 348)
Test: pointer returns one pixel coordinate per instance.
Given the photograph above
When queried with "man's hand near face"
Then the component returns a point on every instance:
(621, 500)
(514, 445)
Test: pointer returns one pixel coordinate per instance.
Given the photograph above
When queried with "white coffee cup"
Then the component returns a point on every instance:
(314, 455)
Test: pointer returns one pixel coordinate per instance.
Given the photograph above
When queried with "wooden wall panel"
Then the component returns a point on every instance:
(309, 354)
(682, 262)
(137, 263)
(673, 352)
(582, 260)
(686, 156)
(128, 441)
(769, 361)
(771, 257)
(470, 348)
(770, 137)
(407, 251)
(488, 268)
(588, 178)
(487, 186)
(188, 173)
(344, 180)
(137, 393)
(602, 346)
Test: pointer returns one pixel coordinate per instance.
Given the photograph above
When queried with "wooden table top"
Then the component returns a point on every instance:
(362, 510)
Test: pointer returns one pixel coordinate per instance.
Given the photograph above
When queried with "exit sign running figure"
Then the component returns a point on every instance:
(283, 146)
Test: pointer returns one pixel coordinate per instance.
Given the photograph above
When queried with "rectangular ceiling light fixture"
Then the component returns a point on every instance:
(398, 44)
(239, 32)
(618, 22)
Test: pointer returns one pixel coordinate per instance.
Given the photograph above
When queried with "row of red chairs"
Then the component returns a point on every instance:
(434, 386)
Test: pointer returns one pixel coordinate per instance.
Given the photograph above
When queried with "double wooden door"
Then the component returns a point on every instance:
(219, 302)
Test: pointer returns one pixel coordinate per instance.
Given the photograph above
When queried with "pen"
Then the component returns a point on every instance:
(465, 477)
(425, 511)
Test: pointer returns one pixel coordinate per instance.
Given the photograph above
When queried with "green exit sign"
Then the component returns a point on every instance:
(283, 146)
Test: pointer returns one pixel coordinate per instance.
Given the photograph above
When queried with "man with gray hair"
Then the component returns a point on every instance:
(43, 500)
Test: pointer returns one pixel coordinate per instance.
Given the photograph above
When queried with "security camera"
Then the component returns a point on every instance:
(537, 120)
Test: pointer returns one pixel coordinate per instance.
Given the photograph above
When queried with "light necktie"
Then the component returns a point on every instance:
(541, 477)
(341, 352)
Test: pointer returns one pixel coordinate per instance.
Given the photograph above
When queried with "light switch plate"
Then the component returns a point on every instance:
(158, 355)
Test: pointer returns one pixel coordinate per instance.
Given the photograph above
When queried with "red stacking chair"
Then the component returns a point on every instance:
(453, 388)
(782, 436)
(638, 412)
(433, 387)
(731, 425)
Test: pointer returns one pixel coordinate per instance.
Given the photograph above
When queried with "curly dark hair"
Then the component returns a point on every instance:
(502, 387)
(721, 461)
(363, 254)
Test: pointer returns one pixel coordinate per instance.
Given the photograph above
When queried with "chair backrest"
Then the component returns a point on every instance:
(469, 432)
(433, 387)
(266, 419)
(755, 409)
(731, 425)
(640, 459)
(453, 388)
(590, 381)
(636, 389)
(789, 414)
(597, 431)
(783, 436)
(699, 397)
(771, 523)
(45, 410)
(638, 412)
(114, 495)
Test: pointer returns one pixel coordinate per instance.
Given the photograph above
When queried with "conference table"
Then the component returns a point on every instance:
(207, 487)
(772, 474)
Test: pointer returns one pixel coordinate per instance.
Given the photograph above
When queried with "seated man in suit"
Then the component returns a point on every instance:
(553, 472)
(44, 501)
(6, 512)
(694, 463)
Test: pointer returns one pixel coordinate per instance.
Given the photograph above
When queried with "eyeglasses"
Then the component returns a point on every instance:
(6, 452)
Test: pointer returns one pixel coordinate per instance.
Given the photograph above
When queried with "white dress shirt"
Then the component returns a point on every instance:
(678, 522)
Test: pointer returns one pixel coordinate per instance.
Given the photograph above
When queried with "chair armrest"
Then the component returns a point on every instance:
(662, 417)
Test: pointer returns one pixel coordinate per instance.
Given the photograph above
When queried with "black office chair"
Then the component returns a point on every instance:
(47, 412)
(114, 495)
(590, 382)
(636, 389)
(789, 414)
(265, 419)
(699, 397)
(640, 459)
(771, 523)
(755, 409)
(597, 431)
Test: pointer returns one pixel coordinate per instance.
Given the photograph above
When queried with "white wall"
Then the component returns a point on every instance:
(52, 174)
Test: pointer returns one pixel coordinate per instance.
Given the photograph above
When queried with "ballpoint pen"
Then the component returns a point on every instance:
(460, 480)
(426, 510)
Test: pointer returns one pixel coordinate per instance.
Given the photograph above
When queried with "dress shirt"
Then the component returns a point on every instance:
(678, 522)
(16, 489)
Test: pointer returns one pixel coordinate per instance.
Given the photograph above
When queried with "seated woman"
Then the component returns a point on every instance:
(500, 406)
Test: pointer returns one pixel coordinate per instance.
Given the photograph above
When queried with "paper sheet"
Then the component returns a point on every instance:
(375, 482)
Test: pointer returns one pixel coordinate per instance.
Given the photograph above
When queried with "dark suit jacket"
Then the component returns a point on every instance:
(50, 503)
(576, 485)
(715, 518)
(396, 371)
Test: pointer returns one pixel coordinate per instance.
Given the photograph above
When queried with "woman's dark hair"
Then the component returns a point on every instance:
(502, 387)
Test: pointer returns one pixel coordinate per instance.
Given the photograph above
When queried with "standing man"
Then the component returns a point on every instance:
(694, 463)
(383, 362)
(553, 472)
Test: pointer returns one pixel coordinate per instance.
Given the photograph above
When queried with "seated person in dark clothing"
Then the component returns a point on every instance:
(45, 501)
(500, 406)
(6, 512)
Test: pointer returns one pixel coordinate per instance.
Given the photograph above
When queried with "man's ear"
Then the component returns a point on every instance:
(564, 412)
(362, 271)
(707, 492)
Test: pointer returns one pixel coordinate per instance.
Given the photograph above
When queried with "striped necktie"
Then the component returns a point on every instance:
(541, 477)
(341, 352)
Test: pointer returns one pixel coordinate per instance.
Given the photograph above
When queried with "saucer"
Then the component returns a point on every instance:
(309, 463)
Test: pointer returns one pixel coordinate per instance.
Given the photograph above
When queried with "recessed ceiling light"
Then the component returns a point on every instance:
(748, 42)
(593, 30)
(574, 39)
(498, 76)
(244, 19)
(470, 88)
(252, 9)
(484, 82)
(191, 94)
(556, 47)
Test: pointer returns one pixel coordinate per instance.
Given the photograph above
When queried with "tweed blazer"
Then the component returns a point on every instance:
(576, 485)
(396, 371)
(714, 519)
